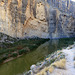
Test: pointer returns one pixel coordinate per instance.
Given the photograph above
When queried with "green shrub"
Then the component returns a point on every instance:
(52, 60)
(22, 51)
(4, 58)
(14, 55)
(1, 60)
(25, 51)
(32, 47)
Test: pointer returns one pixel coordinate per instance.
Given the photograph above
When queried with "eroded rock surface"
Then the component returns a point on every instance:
(39, 18)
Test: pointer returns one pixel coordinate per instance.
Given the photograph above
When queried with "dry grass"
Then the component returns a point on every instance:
(60, 64)
(51, 69)
(43, 71)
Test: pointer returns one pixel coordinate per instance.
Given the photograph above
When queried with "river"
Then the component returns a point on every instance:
(22, 64)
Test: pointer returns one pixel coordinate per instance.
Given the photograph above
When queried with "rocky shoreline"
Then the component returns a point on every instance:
(56, 63)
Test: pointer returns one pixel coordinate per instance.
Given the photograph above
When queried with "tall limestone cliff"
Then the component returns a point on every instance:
(37, 18)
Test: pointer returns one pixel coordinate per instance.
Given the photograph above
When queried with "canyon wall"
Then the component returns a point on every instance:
(67, 6)
(37, 18)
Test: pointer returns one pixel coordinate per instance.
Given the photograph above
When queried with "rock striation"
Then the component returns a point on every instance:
(37, 18)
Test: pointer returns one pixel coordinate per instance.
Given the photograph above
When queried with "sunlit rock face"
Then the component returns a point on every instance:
(37, 18)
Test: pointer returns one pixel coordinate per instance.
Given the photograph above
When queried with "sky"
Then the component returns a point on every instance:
(73, 0)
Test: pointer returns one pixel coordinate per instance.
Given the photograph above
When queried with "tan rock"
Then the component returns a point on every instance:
(40, 11)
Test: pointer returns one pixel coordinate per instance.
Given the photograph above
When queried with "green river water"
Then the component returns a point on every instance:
(22, 64)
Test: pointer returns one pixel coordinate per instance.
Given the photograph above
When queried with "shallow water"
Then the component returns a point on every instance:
(22, 64)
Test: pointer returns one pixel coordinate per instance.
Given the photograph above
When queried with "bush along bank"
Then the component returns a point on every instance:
(60, 61)
(19, 48)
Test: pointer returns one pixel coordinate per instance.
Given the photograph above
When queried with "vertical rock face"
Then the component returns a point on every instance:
(39, 18)
(67, 6)
(62, 18)
(61, 24)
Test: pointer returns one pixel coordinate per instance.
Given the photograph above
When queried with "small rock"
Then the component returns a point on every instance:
(32, 67)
